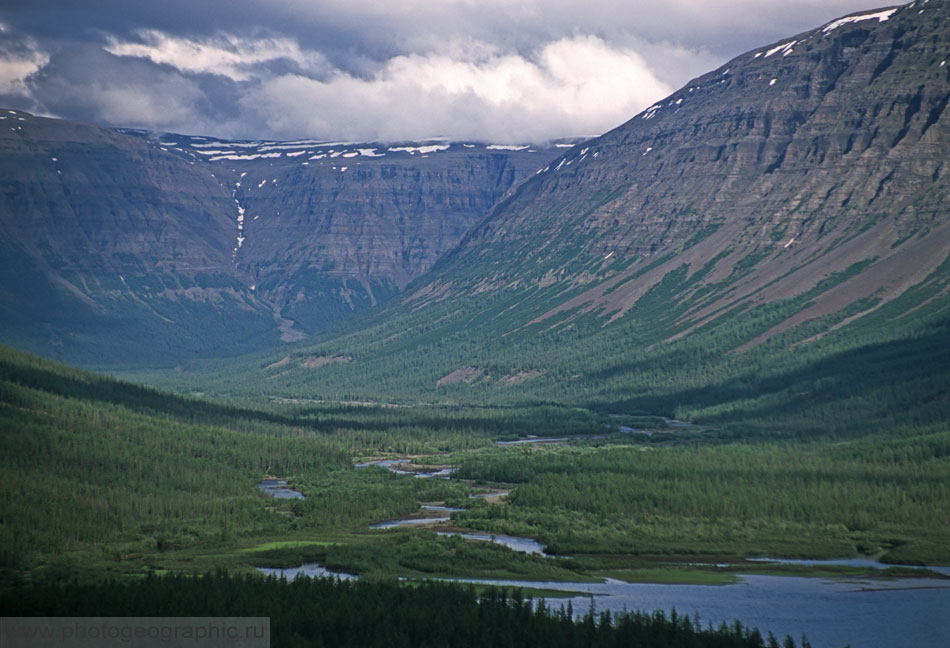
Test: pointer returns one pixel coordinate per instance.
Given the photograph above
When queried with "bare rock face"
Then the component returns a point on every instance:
(114, 251)
(123, 248)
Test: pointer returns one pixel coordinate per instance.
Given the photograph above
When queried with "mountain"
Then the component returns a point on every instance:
(772, 238)
(327, 229)
(126, 249)
(112, 248)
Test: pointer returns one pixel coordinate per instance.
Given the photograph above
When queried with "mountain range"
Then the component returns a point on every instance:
(769, 245)
(771, 240)
(125, 248)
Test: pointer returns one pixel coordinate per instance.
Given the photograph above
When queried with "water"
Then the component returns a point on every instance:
(388, 464)
(525, 545)
(390, 524)
(278, 488)
(531, 439)
(887, 613)
(903, 613)
(848, 562)
(313, 570)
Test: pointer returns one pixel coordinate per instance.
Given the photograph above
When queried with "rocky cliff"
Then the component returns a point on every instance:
(128, 248)
(774, 225)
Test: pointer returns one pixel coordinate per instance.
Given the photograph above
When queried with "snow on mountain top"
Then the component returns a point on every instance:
(412, 150)
(880, 15)
(778, 48)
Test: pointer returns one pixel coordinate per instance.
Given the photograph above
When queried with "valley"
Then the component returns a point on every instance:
(695, 366)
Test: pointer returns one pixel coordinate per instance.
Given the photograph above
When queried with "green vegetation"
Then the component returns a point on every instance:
(107, 479)
(734, 370)
(819, 499)
(367, 614)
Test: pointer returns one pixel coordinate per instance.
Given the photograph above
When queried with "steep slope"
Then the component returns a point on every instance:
(327, 229)
(122, 249)
(114, 251)
(774, 219)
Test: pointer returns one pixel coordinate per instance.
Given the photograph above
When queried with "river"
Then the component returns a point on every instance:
(832, 613)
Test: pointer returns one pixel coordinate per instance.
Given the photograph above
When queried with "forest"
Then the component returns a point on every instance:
(325, 612)
(108, 485)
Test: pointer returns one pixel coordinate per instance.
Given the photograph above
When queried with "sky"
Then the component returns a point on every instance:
(502, 71)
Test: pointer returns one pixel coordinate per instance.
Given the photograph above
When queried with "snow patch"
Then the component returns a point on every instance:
(772, 82)
(649, 148)
(225, 144)
(880, 15)
(778, 48)
(370, 152)
(650, 112)
(507, 147)
(412, 150)
(295, 153)
(252, 156)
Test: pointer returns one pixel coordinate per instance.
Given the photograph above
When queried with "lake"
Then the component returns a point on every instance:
(278, 488)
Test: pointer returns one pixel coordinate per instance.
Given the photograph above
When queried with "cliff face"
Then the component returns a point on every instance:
(330, 229)
(113, 250)
(789, 206)
(123, 248)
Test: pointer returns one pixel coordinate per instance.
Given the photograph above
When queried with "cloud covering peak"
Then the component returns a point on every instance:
(499, 70)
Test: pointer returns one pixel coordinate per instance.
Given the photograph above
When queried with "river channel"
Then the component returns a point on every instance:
(830, 612)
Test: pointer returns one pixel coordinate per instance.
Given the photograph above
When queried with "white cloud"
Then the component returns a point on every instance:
(573, 86)
(502, 70)
(18, 63)
(223, 54)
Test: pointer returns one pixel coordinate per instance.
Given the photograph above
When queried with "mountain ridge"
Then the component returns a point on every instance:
(125, 248)
(784, 209)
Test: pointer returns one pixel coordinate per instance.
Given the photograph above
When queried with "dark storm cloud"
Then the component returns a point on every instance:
(506, 70)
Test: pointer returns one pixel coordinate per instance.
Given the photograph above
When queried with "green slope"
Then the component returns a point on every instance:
(745, 254)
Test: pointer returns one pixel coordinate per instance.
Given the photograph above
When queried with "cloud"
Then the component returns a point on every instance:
(19, 59)
(505, 70)
(224, 54)
(573, 86)
(93, 85)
